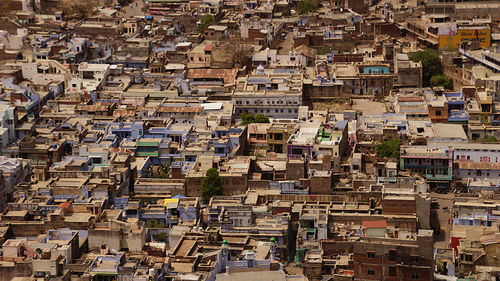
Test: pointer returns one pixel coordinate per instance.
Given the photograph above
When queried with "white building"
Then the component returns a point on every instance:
(274, 94)
(90, 77)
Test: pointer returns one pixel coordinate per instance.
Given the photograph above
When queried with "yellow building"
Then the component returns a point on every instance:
(480, 34)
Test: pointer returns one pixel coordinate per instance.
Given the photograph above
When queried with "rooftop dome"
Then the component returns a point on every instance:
(260, 69)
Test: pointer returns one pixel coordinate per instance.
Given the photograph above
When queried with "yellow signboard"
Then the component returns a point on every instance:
(168, 201)
(482, 36)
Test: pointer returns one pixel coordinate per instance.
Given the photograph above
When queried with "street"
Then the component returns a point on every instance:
(133, 9)
(287, 44)
(445, 201)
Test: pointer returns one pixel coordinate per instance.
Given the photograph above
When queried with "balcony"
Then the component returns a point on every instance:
(147, 153)
(387, 179)
(425, 166)
(438, 177)
(425, 155)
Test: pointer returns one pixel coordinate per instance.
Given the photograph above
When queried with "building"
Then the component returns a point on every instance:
(274, 94)
(409, 73)
(433, 162)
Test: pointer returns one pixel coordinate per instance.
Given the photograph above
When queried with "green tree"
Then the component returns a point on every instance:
(389, 148)
(442, 80)
(306, 6)
(490, 139)
(163, 171)
(211, 185)
(205, 22)
(324, 51)
(431, 64)
(249, 118)
(261, 118)
(159, 237)
(149, 173)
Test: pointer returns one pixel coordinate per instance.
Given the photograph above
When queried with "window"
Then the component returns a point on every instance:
(392, 255)
(438, 112)
(468, 257)
(415, 258)
(371, 255)
(392, 271)
(414, 276)
(371, 271)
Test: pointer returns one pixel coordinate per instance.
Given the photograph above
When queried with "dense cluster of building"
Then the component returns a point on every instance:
(337, 158)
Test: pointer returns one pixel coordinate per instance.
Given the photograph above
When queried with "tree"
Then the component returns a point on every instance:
(211, 185)
(235, 52)
(442, 80)
(306, 6)
(205, 22)
(261, 118)
(323, 51)
(490, 139)
(163, 171)
(249, 118)
(389, 148)
(79, 9)
(149, 173)
(431, 64)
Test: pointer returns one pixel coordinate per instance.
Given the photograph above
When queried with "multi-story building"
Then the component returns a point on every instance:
(278, 135)
(275, 94)
(476, 152)
(456, 108)
(392, 255)
(409, 73)
(332, 140)
(301, 142)
(435, 163)
(481, 109)
(156, 148)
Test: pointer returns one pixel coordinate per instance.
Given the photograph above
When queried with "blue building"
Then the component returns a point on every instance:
(456, 108)
(122, 131)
